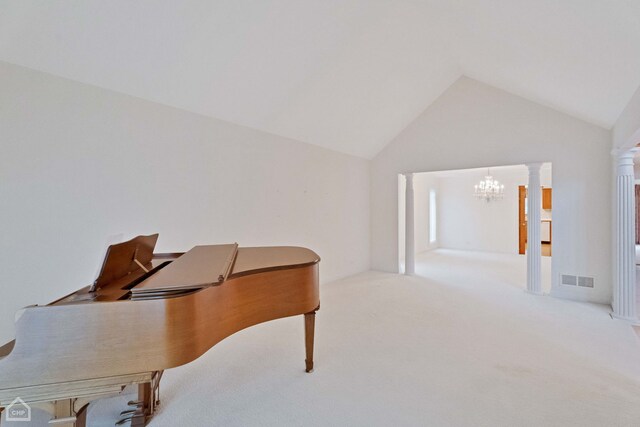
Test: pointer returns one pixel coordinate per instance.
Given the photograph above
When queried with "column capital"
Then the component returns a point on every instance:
(534, 167)
(624, 160)
(625, 155)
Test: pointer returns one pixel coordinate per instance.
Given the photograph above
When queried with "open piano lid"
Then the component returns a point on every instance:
(200, 267)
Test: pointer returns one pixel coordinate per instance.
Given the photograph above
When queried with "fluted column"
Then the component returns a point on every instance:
(624, 286)
(409, 237)
(534, 238)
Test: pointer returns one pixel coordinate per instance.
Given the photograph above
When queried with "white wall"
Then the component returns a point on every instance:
(626, 131)
(470, 224)
(79, 164)
(476, 125)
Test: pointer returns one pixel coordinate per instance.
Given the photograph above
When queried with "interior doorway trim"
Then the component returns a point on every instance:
(522, 220)
(534, 235)
(534, 207)
(409, 235)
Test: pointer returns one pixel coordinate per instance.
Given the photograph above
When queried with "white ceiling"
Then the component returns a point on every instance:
(344, 74)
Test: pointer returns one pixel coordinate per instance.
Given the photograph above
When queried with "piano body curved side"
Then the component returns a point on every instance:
(73, 342)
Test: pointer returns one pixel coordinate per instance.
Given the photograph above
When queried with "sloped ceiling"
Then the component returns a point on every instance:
(347, 75)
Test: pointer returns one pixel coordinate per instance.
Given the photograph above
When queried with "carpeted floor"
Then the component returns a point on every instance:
(461, 346)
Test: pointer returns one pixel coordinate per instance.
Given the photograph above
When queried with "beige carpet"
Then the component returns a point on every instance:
(464, 346)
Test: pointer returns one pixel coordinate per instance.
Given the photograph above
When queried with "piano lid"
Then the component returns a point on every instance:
(253, 260)
(201, 266)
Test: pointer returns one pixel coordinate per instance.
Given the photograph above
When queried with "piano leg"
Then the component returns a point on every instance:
(309, 329)
(145, 410)
(81, 417)
(148, 401)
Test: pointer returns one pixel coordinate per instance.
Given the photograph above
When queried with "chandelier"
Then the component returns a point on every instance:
(489, 189)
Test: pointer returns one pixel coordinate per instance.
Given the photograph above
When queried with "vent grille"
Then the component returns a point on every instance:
(585, 282)
(582, 281)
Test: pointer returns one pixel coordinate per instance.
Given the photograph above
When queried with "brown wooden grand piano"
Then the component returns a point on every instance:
(146, 313)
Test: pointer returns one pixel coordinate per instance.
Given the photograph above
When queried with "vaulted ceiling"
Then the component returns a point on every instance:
(343, 74)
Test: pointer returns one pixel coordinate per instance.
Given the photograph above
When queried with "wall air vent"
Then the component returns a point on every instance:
(569, 280)
(585, 282)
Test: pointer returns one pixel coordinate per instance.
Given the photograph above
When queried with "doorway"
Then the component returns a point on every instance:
(450, 221)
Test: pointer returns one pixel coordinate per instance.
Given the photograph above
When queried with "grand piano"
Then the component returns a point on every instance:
(146, 313)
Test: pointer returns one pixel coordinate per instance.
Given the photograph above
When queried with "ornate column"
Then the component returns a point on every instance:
(534, 246)
(624, 284)
(409, 237)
